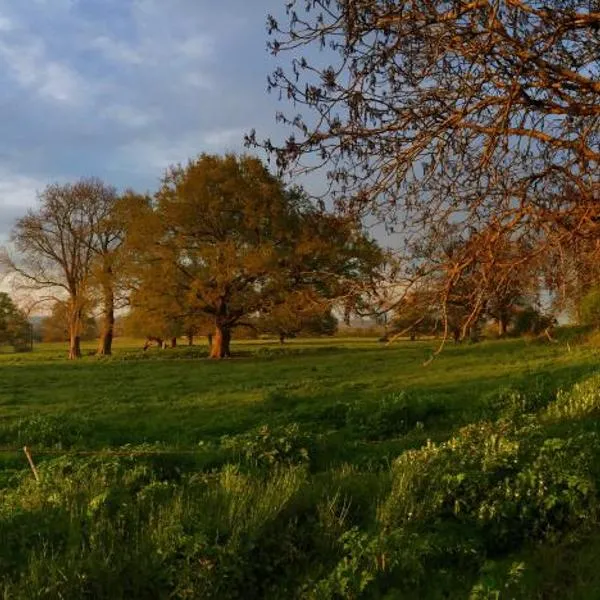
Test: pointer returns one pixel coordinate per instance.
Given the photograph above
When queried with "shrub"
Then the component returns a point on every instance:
(581, 401)
(50, 431)
(268, 446)
(590, 308)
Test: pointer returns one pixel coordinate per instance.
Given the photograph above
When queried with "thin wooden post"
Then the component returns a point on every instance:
(31, 463)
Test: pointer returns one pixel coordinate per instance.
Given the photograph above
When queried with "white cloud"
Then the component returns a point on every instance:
(130, 116)
(31, 68)
(196, 47)
(5, 24)
(116, 50)
(224, 138)
(18, 190)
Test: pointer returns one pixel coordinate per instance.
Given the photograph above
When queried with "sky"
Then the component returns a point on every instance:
(120, 89)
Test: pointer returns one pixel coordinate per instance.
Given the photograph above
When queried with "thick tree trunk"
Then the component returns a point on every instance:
(221, 342)
(108, 323)
(173, 342)
(282, 338)
(209, 337)
(190, 338)
(75, 334)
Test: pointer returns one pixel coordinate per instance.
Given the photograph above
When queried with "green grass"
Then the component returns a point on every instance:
(278, 473)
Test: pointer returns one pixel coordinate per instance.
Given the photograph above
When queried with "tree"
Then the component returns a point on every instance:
(15, 329)
(484, 114)
(417, 313)
(57, 326)
(58, 246)
(110, 226)
(230, 242)
(296, 316)
(590, 308)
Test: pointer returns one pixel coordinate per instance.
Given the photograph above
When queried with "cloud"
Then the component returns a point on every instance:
(223, 138)
(27, 61)
(123, 88)
(116, 50)
(129, 116)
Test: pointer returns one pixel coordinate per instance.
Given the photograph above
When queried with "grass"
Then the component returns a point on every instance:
(287, 472)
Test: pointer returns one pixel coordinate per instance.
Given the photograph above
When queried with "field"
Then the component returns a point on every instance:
(321, 469)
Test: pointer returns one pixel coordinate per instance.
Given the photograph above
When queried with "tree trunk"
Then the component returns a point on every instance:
(210, 340)
(75, 333)
(502, 326)
(282, 338)
(190, 338)
(173, 342)
(108, 323)
(221, 342)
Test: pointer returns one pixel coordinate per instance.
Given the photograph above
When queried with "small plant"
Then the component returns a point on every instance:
(267, 446)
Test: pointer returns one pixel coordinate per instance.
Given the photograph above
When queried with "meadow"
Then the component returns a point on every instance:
(325, 468)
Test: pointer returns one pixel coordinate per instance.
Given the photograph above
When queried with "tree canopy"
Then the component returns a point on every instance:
(225, 239)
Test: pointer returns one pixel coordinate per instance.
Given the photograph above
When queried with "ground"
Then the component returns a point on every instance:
(282, 472)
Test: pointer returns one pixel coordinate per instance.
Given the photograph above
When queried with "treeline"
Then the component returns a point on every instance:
(222, 245)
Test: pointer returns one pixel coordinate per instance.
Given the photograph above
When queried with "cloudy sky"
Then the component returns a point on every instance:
(120, 89)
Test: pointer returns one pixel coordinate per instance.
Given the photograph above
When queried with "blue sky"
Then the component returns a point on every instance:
(120, 89)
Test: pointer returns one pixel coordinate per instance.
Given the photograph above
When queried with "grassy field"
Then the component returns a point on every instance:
(333, 468)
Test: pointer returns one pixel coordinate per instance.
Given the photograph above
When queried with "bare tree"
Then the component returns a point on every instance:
(57, 246)
(484, 114)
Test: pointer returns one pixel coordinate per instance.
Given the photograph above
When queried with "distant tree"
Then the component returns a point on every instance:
(15, 329)
(297, 317)
(416, 314)
(590, 308)
(57, 326)
(226, 239)
(57, 246)
(532, 321)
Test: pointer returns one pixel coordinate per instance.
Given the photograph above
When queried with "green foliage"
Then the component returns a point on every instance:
(270, 446)
(15, 330)
(590, 308)
(50, 431)
(580, 402)
(531, 321)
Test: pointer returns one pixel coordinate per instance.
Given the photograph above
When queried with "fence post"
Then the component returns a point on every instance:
(31, 463)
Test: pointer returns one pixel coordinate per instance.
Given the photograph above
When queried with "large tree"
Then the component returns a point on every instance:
(230, 241)
(113, 213)
(484, 114)
(58, 246)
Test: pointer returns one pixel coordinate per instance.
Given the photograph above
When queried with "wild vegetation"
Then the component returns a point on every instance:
(290, 472)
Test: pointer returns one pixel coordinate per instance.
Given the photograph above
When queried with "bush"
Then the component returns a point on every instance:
(580, 402)
(590, 308)
(268, 446)
(532, 322)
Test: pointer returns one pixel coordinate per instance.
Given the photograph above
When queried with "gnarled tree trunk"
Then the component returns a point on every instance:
(221, 342)
(108, 322)
(75, 333)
